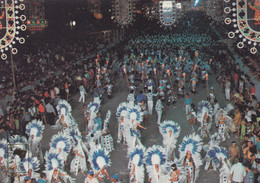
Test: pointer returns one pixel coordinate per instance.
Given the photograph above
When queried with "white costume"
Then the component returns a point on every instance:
(170, 131)
(35, 130)
(155, 160)
(136, 158)
(193, 145)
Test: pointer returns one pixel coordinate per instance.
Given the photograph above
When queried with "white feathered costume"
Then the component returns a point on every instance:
(170, 131)
(192, 144)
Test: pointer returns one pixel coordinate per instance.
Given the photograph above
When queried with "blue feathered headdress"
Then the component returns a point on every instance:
(52, 161)
(63, 108)
(35, 128)
(166, 126)
(121, 110)
(135, 113)
(61, 140)
(137, 155)
(155, 155)
(192, 143)
(216, 153)
(99, 158)
(205, 106)
(29, 163)
(93, 106)
(18, 141)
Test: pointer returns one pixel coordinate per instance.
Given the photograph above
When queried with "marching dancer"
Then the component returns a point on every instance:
(189, 151)
(155, 160)
(54, 169)
(137, 164)
(79, 161)
(204, 116)
(121, 115)
(35, 130)
(99, 161)
(150, 96)
(61, 144)
(170, 131)
(159, 107)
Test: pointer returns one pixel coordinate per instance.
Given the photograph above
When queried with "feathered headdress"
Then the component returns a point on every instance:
(98, 158)
(29, 163)
(216, 153)
(135, 113)
(204, 107)
(106, 121)
(60, 141)
(170, 125)
(18, 142)
(155, 155)
(93, 107)
(35, 128)
(137, 155)
(121, 110)
(63, 108)
(52, 161)
(192, 143)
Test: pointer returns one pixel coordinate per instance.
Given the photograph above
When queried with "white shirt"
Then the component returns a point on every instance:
(238, 171)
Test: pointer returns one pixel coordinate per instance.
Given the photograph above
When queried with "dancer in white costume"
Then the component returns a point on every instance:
(54, 169)
(155, 160)
(92, 110)
(137, 164)
(134, 118)
(224, 122)
(214, 157)
(190, 158)
(99, 161)
(106, 138)
(170, 131)
(35, 130)
(204, 116)
(79, 161)
(61, 144)
(121, 115)
(65, 119)
(28, 167)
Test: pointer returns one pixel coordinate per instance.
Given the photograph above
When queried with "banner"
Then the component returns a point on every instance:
(246, 22)
(123, 12)
(10, 26)
(167, 12)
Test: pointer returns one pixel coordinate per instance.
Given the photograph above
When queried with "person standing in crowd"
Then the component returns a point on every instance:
(234, 153)
(238, 172)
(150, 96)
(159, 107)
(187, 105)
(82, 93)
(50, 112)
(227, 89)
(41, 110)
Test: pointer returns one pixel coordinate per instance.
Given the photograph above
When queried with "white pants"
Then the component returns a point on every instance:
(187, 109)
(159, 113)
(227, 93)
(150, 107)
(82, 97)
